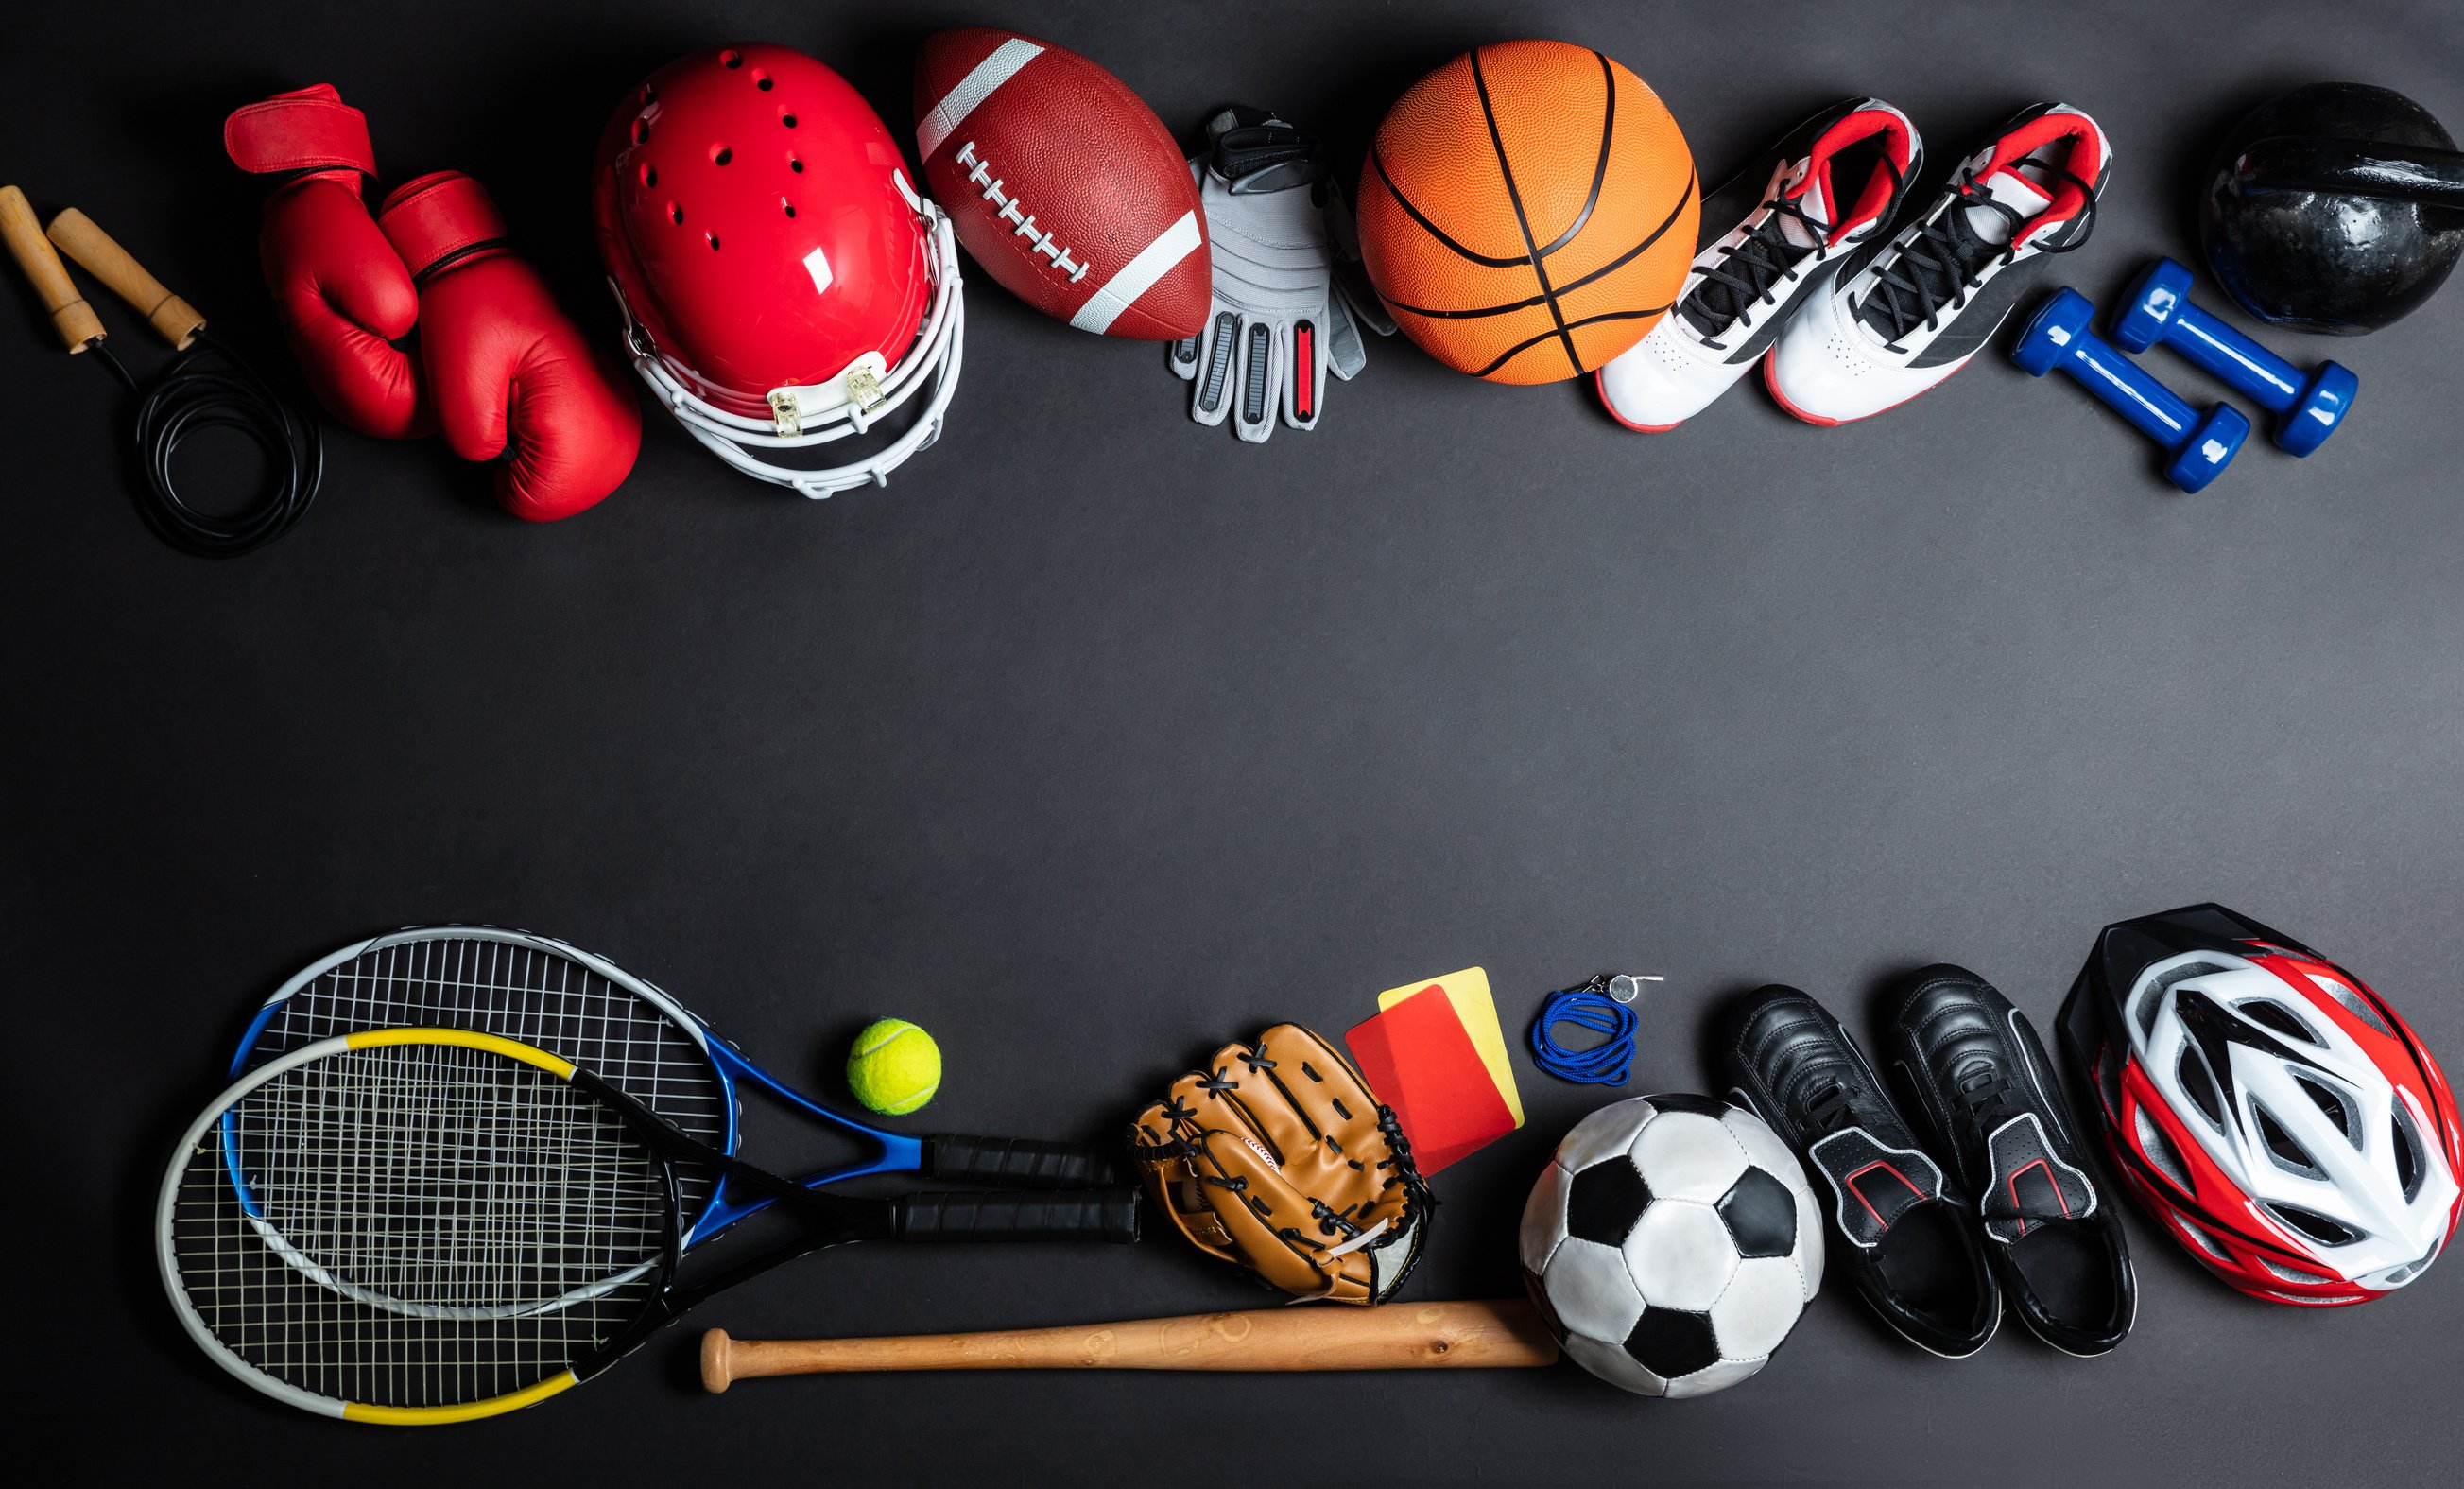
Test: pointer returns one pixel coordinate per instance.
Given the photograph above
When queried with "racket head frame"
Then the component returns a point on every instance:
(728, 1202)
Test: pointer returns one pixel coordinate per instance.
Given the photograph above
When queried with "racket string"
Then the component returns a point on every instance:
(417, 1226)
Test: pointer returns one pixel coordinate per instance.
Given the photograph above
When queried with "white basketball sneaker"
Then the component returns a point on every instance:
(1771, 240)
(1924, 304)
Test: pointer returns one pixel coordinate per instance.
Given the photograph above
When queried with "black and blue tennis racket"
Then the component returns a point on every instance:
(636, 1038)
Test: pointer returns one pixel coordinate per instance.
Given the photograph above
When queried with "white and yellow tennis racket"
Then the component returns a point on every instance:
(433, 1225)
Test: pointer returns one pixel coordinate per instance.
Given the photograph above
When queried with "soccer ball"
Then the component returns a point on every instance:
(1671, 1244)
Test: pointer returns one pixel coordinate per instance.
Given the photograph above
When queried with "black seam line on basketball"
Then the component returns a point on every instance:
(1611, 267)
(1431, 228)
(1522, 219)
(1599, 167)
(1572, 326)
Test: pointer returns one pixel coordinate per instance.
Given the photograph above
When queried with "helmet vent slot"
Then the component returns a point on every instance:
(2354, 1003)
(2200, 1086)
(762, 80)
(2161, 1155)
(640, 131)
(2310, 1223)
(788, 120)
(787, 205)
(2282, 1147)
(676, 215)
(650, 176)
(2334, 1104)
(2270, 1014)
(731, 58)
(2411, 1162)
(720, 155)
(795, 165)
(713, 241)
(2153, 996)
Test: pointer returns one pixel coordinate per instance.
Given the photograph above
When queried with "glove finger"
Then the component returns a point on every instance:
(1182, 356)
(1210, 399)
(1312, 1081)
(1263, 362)
(1303, 371)
(1351, 284)
(1345, 355)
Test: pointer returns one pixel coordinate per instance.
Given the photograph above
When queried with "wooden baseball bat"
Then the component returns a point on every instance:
(1393, 1337)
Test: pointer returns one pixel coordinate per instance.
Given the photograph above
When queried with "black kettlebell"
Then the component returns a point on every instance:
(2335, 207)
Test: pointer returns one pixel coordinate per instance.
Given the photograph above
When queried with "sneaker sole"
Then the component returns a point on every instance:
(1772, 383)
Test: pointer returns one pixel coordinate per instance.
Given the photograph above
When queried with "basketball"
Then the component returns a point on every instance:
(1527, 211)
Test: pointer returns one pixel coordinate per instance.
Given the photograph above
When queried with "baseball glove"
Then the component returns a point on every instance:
(1277, 1157)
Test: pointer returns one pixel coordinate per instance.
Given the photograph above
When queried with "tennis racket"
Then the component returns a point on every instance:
(434, 1225)
(565, 1000)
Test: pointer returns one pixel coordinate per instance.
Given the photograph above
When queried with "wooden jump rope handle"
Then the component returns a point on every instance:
(1394, 1337)
(172, 318)
(71, 315)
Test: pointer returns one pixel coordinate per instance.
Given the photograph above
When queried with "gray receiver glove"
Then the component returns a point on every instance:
(1290, 299)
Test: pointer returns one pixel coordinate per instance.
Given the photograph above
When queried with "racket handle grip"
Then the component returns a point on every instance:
(1053, 1215)
(1019, 1163)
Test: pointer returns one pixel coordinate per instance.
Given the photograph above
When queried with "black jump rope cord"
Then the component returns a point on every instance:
(208, 387)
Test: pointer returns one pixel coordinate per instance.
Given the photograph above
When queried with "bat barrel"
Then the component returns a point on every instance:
(1494, 1335)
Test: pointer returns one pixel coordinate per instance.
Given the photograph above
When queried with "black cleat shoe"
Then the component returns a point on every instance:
(1973, 1068)
(1911, 1248)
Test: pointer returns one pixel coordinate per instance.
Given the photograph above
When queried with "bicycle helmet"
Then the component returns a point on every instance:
(2278, 1118)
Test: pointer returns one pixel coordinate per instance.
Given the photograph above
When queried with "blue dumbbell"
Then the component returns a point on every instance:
(2057, 336)
(2308, 410)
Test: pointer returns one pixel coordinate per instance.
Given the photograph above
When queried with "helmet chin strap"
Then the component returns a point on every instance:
(848, 404)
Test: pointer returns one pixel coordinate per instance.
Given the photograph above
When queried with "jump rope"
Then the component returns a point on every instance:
(1604, 1006)
(206, 386)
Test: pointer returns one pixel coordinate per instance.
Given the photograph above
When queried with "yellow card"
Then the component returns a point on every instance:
(1477, 1011)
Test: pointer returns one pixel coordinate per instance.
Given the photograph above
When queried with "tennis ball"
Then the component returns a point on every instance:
(894, 1067)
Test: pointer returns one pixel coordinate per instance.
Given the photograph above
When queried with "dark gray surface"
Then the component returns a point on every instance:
(1098, 739)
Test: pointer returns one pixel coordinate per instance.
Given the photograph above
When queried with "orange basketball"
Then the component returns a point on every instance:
(1529, 212)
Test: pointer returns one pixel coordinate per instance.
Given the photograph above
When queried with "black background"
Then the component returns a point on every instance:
(1098, 739)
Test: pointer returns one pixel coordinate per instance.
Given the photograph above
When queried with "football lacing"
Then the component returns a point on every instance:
(1006, 207)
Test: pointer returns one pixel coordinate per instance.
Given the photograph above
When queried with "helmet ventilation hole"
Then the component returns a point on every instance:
(762, 80)
(2276, 1018)
(788, 120)
(676, 215)
(720, 155)
(2331, 1103)
(640, 131)
(2281, 1146)
(2310, 1223)
(650, 176)
(713, 241)
(788, 205)
(731, 58)
(2411, 1168)
(2161, 1156)
(795, 165)
(2200, 1087)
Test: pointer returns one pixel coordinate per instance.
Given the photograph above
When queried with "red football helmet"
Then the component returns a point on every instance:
(784, 284)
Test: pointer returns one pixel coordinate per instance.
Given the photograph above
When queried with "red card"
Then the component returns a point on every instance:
(1419, 1061)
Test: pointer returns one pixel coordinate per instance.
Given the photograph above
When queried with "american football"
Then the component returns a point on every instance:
(1061, 184)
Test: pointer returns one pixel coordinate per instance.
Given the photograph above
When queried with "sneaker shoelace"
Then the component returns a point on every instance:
(1731, 287)
(1946, 258)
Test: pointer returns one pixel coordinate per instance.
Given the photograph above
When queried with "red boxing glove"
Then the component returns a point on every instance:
(507, 373)
(341, 291)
